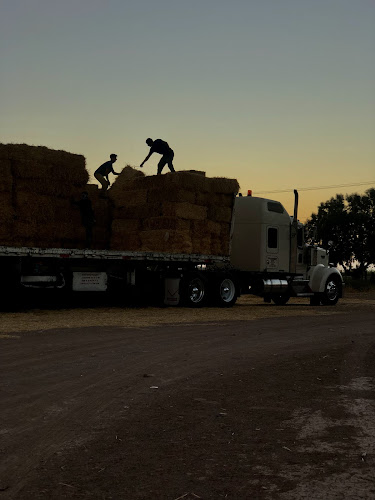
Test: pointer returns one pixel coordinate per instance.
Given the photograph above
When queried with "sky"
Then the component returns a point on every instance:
(279, 94)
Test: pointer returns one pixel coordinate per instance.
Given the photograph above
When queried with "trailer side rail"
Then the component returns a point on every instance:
(74, 253)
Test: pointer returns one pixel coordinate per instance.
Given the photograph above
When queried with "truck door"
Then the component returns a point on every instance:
(272, 250)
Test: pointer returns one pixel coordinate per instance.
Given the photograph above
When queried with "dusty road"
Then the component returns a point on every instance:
(270, 408)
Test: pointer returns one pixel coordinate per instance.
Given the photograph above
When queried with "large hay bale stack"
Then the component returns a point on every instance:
(181, 212)
(36, 192)
(103, 217)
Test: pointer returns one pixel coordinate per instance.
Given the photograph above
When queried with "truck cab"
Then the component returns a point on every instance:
(261, 235)
(269, 251)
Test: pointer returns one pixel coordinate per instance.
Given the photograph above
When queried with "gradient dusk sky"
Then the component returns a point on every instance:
(279, 94)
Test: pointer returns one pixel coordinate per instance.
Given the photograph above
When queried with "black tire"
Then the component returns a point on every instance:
(193, 290)
(332, 291)
(225, 291)
(315, 300)
(281, 299)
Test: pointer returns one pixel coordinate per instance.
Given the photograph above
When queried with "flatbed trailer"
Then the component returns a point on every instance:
(168, 277)
(268, 257)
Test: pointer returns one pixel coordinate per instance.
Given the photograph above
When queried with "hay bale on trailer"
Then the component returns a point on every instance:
(41, 183)
(181, 212)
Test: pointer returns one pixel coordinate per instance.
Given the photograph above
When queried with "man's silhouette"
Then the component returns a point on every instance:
(101, 174)
(87, 216)
(162, 148)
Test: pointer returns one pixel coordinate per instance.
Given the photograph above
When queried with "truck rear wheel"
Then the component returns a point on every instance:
(224, 291)
(332, 291)
(193, 290)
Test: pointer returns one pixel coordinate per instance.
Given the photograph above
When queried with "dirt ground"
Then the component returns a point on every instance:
(247, 308)
(258, 401)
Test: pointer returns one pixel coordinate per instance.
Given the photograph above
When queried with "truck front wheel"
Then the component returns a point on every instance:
(332, 291)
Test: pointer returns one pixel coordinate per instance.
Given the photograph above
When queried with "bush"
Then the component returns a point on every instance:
(360, 285)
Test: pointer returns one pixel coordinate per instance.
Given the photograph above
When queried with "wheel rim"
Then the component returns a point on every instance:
(227, 290)
(331, 290)
(196, 291)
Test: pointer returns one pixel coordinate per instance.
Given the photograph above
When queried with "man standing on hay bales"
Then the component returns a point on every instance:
(162, 148)
(87, 216)
(101, 174)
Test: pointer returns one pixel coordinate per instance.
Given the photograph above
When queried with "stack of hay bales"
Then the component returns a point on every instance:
(36, 193)
(103, 220)
(181, 212)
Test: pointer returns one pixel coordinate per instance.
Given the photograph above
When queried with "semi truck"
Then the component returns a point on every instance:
(268, 258)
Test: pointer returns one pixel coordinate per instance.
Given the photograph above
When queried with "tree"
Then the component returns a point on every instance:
(349, 223)
(362, 212)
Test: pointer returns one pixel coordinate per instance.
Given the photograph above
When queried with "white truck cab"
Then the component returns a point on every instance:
(269, 250)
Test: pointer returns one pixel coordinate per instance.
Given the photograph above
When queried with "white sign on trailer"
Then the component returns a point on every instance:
(89, 281)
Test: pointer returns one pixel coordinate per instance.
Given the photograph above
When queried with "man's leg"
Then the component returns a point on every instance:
(170, 162)
(162, 163)
(103, 181)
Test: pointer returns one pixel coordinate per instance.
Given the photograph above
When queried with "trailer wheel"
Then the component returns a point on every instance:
(193, 290)
(332, 291)
(225, 292)
(281, 299)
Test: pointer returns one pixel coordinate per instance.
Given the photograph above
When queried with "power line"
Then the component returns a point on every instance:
(317, 188)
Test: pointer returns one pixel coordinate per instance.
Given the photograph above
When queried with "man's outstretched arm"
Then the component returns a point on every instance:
(113, 172)
(147, 157)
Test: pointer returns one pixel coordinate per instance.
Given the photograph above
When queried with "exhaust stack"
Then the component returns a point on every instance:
(293, 236)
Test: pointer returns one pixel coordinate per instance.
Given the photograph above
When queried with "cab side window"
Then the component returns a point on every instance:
(272, 237)
(300, 236)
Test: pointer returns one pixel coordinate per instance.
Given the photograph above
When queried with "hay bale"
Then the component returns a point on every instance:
(135, 198)
(126, 226)
(185, 180)
(39, 208)
(130, 198)
(7, 211)
(123, 182)
(216, 246)
(166, 223)
(170, 193)
(122, 238)
(196, 172)
(39, 162)
(166, 241)
(201, 245)
(173, 180)
(47, 235)
(184, 211)
(6, 176)
(219, 214)
(71, 173)
(223, 185)
(204, 199)
(219, 199)
(137, 212)
(7, 224)
(214, 228)
(44, 186)
(199, 229)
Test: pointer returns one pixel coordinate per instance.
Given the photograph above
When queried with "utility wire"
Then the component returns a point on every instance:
(317, 188)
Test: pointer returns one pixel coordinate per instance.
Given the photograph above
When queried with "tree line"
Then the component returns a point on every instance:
(346, 224)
